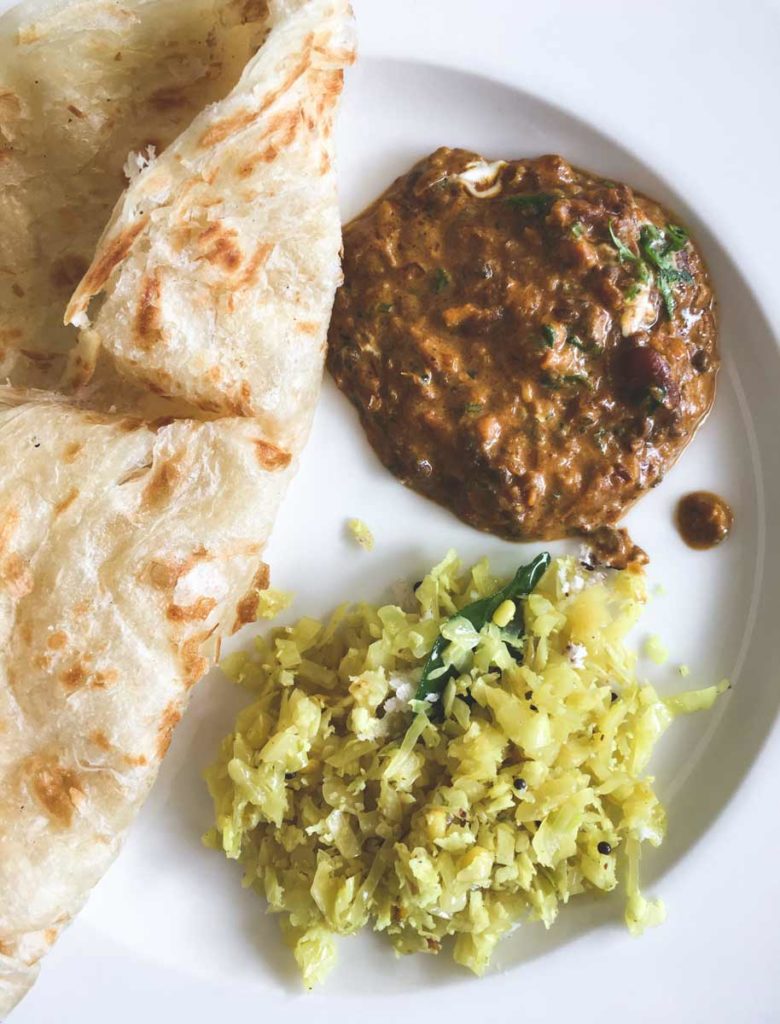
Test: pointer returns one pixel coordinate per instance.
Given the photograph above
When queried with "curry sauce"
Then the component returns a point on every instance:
(528, 344)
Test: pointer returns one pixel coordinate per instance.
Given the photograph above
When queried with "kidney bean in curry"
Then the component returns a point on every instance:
(528, 344)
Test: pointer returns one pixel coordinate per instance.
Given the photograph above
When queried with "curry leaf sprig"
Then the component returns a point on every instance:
(657, 248)
(436, 674)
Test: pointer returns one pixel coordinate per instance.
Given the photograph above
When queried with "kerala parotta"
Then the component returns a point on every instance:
(83, 85)
(242, 203)
(129, 546)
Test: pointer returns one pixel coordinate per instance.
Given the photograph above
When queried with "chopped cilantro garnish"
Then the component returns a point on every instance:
(473, 407)
(677, 235)
(658, 248)
(441, 279)
(550, 381)
(643, 274)
(624, 253)
(385, 307)
(577, 229)
(575, 342)
(534, 202)
(548, 335)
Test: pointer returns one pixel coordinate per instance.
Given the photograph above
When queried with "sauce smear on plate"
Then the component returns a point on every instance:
(704, 519)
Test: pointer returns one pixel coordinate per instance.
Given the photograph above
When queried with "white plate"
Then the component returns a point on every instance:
(170, 934)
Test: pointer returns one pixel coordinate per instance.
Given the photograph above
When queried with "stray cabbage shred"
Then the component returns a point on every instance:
(525, 784)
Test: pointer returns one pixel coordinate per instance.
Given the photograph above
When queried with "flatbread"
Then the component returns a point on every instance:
(82, 86)
(229, 208)
(129, 545)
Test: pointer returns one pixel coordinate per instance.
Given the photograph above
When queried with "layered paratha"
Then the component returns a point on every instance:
(140, 482)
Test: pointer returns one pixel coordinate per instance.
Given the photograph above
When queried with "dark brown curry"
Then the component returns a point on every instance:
(528, 344)
(704, 519)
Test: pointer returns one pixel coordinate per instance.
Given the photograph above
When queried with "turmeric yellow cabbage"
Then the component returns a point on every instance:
(348, 802)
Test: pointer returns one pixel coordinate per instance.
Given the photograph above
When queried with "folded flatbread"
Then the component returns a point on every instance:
(144, 450)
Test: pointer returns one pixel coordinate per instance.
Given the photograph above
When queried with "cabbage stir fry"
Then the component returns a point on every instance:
(356, 789)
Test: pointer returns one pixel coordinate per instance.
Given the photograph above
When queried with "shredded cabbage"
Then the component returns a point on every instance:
(348, 804)
(361, 533)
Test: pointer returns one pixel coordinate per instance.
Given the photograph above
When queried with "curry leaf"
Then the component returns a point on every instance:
(435, 673)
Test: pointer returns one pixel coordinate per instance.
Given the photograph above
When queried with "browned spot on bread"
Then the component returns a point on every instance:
(221, 130)
(135, 761)
(100, 740)
(14, 568)
(256, 264)
(75, 110)
(55, 787)
(161, 485)
(10, 333)
(6, 948)
(42, 662)
(17, 289)
(170, 719)
(74, 677)
(193, 663)
(57, 640)
(308, 327)
(16, 576)
(148, 322)
(214, 374)
(218, 245)
(165, 575)
(100, 680)
(50, 936)
(68, 500)
(330, 85)
(240, 403)
(246, 609)
(79, 676)
(196, 612)
(129, 424)
(71, 450)
(9, 520)
(110, 257)
(270, 457)
(282, 129)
